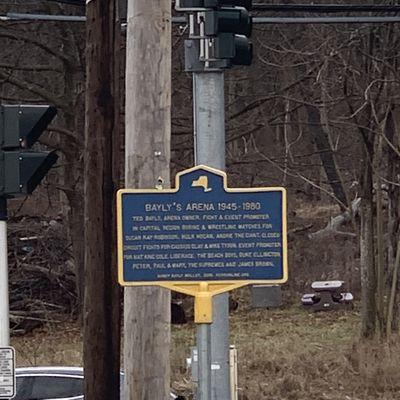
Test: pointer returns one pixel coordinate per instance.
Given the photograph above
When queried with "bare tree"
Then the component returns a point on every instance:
(45, 63)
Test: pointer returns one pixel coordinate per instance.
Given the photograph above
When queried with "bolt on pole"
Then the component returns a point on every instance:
(209, 138)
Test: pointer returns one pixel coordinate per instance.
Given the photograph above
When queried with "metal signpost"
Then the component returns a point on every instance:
(4, 306)
(202, 239)
(209, 143)
(7, 373)
(218, 39)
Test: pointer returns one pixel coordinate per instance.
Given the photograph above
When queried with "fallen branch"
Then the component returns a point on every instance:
(337, 222)
(300, 229)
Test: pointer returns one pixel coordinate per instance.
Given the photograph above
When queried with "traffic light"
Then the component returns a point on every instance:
(236, 48)
(222, 29)
(230, 25)
(227, 20)
(21, 168)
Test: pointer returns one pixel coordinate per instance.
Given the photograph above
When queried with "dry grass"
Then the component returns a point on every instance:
(285, 354)
(294, 355)
(50, 345)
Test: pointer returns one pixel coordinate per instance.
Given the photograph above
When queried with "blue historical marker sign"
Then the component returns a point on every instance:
(202, 231)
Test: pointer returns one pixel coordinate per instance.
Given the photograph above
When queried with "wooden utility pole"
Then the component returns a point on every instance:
(147, 146)
(101, 317)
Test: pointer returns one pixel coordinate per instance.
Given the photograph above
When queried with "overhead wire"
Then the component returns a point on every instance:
(256, 20)
(306, 8)
(326, 8)
(309, 8)
(80, 3)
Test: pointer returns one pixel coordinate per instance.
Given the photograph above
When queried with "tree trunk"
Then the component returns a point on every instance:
(380, 240)
(148, 130)
(367, 256)
(72, 180)
(393, 216)
(101, 342)
(323, 145)
(75, 225)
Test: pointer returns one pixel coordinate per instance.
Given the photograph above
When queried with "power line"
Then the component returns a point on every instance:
(325, 20)
(326, 8)
(311, 8)
(79, 3)
(256, 20)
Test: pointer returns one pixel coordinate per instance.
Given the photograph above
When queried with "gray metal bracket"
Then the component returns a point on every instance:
(194, 64)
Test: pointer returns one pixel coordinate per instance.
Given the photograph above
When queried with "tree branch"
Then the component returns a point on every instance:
(31, 39)
(36, 68)
(33, 88)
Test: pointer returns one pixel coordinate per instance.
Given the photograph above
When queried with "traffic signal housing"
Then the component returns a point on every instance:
(224, 29)
(202, 4)
(230, 26)
(228, 20)
(21, 168)
(236, 48)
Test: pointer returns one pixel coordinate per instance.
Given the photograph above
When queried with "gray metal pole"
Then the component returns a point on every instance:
(4, 306)
(209, 119)
(209, 139)
(204, 361)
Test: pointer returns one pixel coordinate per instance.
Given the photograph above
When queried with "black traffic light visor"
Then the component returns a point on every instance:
(22, 125)
(33, 168)
(33, 120)
(243, 51)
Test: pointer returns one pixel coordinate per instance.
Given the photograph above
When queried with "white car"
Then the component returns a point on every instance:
(53, 383)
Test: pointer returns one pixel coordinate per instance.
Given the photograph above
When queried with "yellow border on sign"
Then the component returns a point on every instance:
(193, 287)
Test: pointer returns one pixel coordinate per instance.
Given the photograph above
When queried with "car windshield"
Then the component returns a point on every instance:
(54, 385)
(48, 387)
